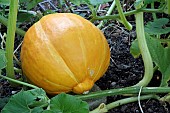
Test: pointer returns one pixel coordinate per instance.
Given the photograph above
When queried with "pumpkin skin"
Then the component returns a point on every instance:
(64, 52)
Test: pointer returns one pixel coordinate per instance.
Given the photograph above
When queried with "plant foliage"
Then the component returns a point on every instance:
(2, 59)
(36, 101)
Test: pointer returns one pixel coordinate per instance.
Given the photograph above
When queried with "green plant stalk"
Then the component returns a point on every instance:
(122, 102)
(108, 13)
(153, 14)
(11, 27)
(19, 31)
(19, 82)
(168, 6)
(148, 64)
(122, 91)
(122, 16)
(93, 10)
(116, 16)
(68, 5)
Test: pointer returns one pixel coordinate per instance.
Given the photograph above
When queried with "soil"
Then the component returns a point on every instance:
(124, 69)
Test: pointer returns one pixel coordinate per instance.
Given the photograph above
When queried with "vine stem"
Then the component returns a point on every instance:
(19, 82)
(168, 6)
(104, 108)
(108, 13)
(148, 64)
(11, 27)
(116, 16)
(122, 91)
(122, 16)
(19, 31)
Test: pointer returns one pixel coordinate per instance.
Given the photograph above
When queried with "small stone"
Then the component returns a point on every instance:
(113, 84)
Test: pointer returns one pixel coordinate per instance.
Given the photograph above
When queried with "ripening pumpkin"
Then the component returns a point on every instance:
(64, 52)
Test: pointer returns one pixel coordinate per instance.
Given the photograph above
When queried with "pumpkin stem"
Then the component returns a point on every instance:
(84, 86)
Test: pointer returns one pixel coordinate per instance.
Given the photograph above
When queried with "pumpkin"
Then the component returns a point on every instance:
(64, 52)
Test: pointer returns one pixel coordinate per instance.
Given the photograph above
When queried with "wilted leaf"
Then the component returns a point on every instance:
(64, 103)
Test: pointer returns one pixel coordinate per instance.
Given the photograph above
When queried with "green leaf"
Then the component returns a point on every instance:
(32, 4)
(4, 2)
(98, 2)
(138, 2)
(89, 2)
(157, 26)
(160, 56)
(2, 59)
(78, 2)
(149, 1)
(30, 101)
(23, 17)
(134, 49)
(3, 102)
(64, 103)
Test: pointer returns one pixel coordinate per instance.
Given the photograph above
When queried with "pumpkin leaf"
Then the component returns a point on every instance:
(145, 2)
(30, 101)
(134, 49)
(30, 3)
(157, 26)
(22, 17)
(89, 2)
(4, 2)
(3, 102)
(3, 59)
(64, 103)
(149, 1)
(160, 56)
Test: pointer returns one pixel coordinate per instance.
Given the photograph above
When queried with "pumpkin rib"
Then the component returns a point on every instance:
(57, 84)
(82, 46)
(64, 60)
(39, 71)
(52, 48)
(103, 58)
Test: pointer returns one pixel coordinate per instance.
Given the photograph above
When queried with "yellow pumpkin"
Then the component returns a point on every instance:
(64, 52)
